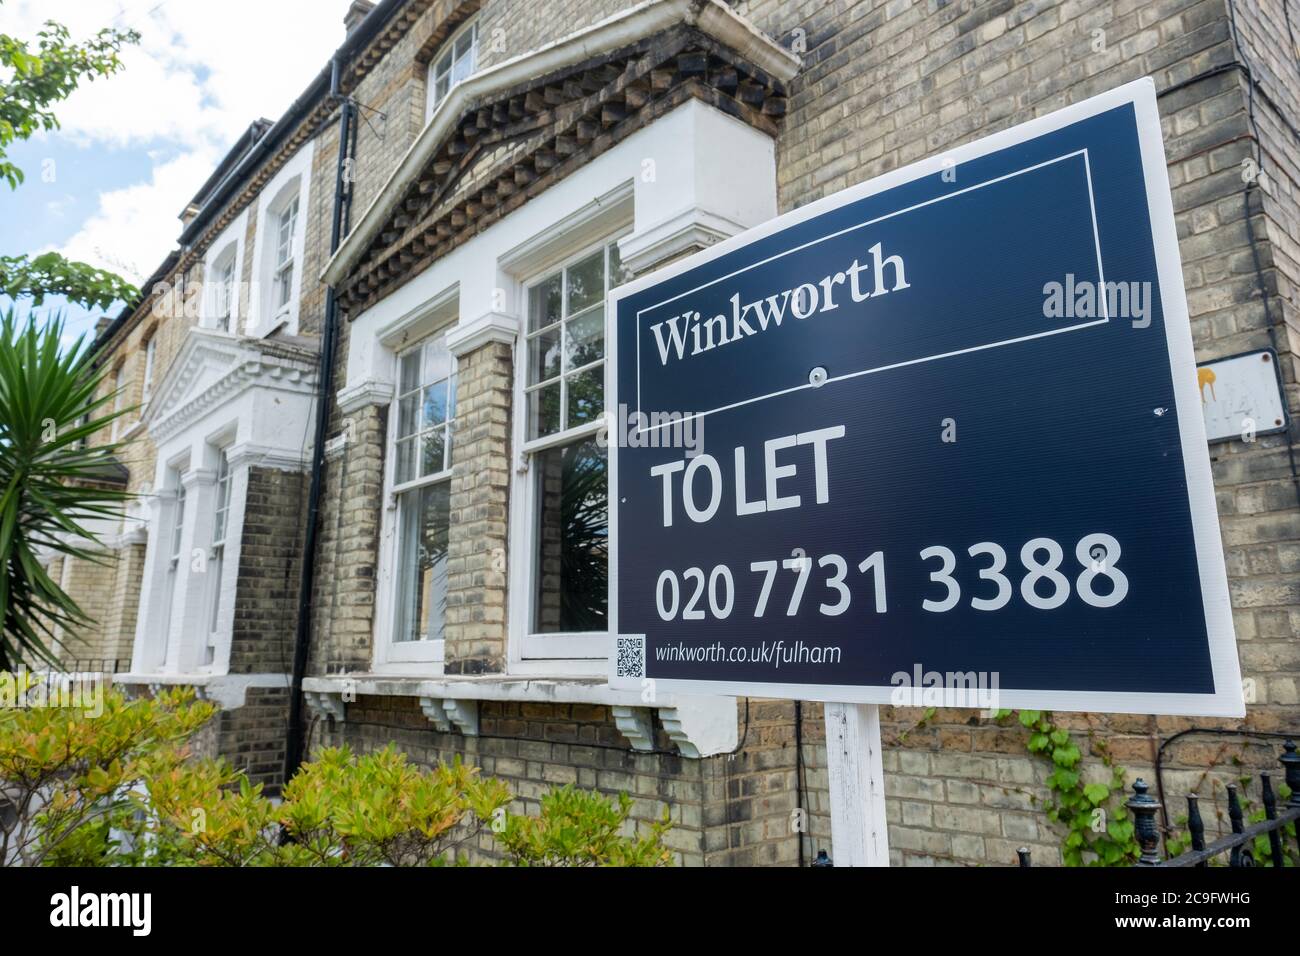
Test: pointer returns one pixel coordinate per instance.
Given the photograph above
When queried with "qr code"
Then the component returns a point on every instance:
(631, 657)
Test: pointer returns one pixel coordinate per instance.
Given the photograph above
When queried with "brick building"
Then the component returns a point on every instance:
(516, 161)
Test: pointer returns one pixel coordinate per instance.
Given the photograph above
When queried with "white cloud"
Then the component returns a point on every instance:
(132, 228)
(203, 71)
(58, 208)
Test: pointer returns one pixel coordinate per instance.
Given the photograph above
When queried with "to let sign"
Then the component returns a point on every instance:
(942, 423)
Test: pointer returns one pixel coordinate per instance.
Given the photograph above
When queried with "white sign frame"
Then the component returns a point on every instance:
(1227, 699)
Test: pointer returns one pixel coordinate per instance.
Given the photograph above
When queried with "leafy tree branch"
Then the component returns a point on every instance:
(38, 75)
(50, 273)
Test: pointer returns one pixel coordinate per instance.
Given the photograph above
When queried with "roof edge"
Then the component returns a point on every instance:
(299, 109)
(214, 192)
(247, 140)
(711, 17)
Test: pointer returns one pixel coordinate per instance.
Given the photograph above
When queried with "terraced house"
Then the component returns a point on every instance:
(373, 383)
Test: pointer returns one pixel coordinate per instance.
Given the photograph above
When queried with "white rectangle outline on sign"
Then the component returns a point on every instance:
(1226, 700)
(1101, 275)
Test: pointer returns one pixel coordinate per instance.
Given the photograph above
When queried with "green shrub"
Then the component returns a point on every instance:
(67, 778)
(582, 828)
(122, 789)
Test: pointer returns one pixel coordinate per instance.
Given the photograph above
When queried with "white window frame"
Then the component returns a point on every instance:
(527, 644)
(221, 514)
(226, 250)
(150, 358)
(223, 300)
(284, 262)
(292, 182)
(447, 53)
(175, 552)
(119, 398)
(390, 650)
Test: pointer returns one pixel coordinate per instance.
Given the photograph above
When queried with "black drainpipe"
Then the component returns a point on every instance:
(294, 745)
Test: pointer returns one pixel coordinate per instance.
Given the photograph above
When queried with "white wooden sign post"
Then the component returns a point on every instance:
(859, 833)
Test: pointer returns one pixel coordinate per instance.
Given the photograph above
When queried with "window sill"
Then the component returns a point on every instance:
(575, 689)
(226, 690)
(700, 726)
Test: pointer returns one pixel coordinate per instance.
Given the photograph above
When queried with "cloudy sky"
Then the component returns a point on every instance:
(133, 149)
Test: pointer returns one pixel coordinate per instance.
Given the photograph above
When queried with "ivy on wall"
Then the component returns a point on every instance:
(1089, 806)
(1098, 831)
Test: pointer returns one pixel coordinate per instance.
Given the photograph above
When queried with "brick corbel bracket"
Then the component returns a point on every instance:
(448, 714)
(634, 723)
(700, 728)
(326, 704)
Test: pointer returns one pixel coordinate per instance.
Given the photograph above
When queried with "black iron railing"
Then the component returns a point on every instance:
(96, 665)
(1239, 845)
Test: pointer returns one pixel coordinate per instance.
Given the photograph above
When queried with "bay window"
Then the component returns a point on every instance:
(423, 448)
(564, 406)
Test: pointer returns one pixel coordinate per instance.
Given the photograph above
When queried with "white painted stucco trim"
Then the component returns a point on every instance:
(229, 691)
(483, 280)
(222, 394)
(274, 196)
(233, 235)
(700, 726)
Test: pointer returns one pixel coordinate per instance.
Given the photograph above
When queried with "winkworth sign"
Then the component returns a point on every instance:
(938, 430)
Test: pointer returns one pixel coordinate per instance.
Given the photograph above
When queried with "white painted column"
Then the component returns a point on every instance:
(859, 832)
(188, 630)
(239, 460)
(150, 629)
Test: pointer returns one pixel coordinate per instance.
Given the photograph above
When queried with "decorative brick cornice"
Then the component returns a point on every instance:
(447, 24)
(247, 454)
(496, 146)
(451, 16)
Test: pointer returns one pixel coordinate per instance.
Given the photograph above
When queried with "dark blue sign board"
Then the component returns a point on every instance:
(939, 428)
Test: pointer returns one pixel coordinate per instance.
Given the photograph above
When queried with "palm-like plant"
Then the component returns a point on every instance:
(51, 480)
